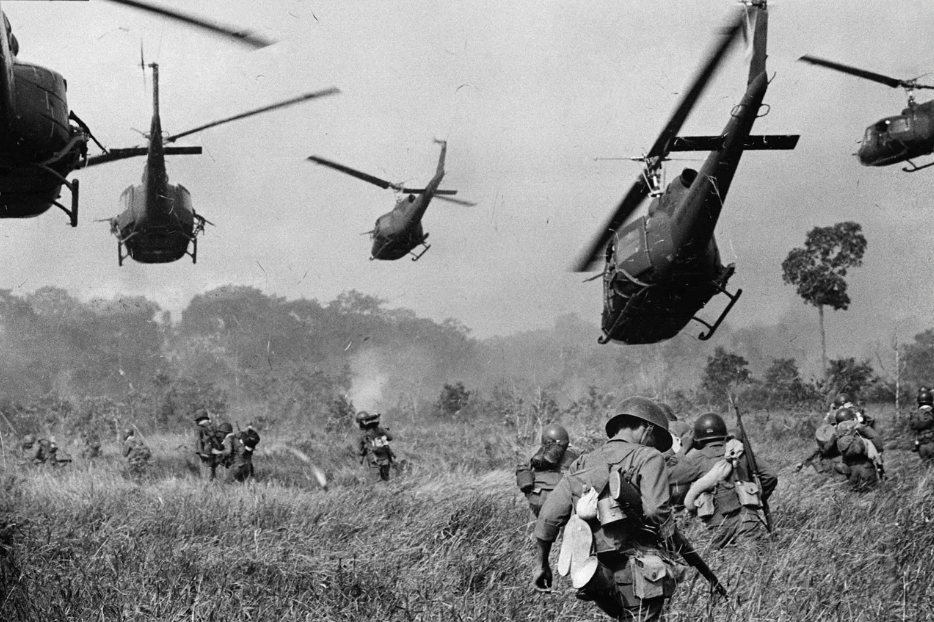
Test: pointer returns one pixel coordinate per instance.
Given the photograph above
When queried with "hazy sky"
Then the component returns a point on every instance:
(527, 93)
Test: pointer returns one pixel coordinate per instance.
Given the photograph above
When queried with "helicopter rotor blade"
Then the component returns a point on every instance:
(376, 181)
(243, 115)
(450, 199)
(659, 151)
(862, 73)
(421, 190)
(245, 37)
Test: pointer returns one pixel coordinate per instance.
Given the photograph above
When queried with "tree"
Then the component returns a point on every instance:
(784, 385)
(723, 372)
(453, 398)
(817, 270)
(919, 359)
(848, 375)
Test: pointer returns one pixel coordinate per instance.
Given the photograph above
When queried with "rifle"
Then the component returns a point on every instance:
(751, 464)
(630, 499)
(684, 548)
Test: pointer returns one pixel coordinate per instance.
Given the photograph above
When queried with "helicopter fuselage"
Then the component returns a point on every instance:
(39, 146)
(899, 138)
(398, 232)
(662, 268)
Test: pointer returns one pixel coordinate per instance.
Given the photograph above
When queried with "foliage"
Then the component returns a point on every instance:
(850, 376)
(784, 386)
(918, 359)
(724, 372)
(817, 270)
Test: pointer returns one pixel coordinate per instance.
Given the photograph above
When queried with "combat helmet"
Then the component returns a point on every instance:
(201, 415)
(127, 433)
(925, 396)
(225, 428)
(28, 440)
(555, 433)
(644, 409)
(668, 411)
(842, 400)
(709, 427)
(845, 414)
(364, 418)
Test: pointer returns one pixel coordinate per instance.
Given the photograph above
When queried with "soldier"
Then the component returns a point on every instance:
(631, 575)
(922, 422)
(861, 449)
(374, 445)
(237, 454)
(545, 469)
(206, 442)
(728, 501)
(90, 446)
(136, 453)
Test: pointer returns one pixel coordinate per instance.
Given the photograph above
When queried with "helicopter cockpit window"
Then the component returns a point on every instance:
(629, 242)
(899, 125)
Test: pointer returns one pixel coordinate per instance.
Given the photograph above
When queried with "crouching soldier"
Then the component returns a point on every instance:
(237, 454)
(922, 423)
(860, 447)
(715, 483)
(135, 452)
(374, 447)
(619, 559)
(545, 469)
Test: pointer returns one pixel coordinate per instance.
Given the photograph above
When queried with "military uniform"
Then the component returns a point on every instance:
(374, 447)
(543, 480)
(31, 451)
(237, 456)
(206, 441)
(922, 422)
(137, 455)
(864, 471)
(635, 574)
(729, 518)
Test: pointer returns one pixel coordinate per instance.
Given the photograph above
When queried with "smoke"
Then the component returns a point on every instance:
(369, 381)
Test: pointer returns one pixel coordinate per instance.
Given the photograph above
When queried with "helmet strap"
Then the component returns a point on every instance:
(649, 429)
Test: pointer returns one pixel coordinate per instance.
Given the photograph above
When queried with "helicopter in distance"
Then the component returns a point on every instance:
(899, 138)
(663, 267)
(41, 141)
(399, 232)
(159, 222)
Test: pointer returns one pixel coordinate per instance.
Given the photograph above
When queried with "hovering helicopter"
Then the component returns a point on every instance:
(41, 142)
(159, 221)
(399, 232)
(662, 268)
(892, 139)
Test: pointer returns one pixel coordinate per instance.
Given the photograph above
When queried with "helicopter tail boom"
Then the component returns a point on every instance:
(752, 143)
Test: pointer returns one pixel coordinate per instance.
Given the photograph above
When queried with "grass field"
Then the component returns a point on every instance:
(448, 539)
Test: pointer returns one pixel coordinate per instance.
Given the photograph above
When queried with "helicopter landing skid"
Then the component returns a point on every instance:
(915, 168)
(419, 255)
(72, 188)
(712, 328)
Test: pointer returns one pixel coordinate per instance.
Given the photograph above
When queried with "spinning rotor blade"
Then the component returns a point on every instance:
(421, 190)
(662, 146)
(133, 152)
(239, 35)
(282, 104)
(376, 181)
(449, 199)
(862, 73)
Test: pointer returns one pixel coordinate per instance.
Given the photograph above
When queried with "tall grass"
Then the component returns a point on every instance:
(448, 539)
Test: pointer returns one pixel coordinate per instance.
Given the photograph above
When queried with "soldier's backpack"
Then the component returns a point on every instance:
(826, 437)
(921, 419)
(378, 444)
(850, 444)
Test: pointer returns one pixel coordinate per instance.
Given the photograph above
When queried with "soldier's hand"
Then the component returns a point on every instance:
(544, 579)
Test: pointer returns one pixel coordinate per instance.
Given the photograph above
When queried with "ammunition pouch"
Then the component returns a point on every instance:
(748, 494)
(651, 576)
(726, 498)
(705, 505)
(525, 479)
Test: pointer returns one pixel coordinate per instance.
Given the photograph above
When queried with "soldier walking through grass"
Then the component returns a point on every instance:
(715, 483)
(136, 453)
(539, 476)
(620, 560)
(373, 446)
(237, 452)
(207, 444)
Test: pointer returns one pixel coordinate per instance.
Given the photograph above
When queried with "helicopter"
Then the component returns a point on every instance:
(399, 232)
(41, 141)
(663, 267)
(159, 221)
(893, 139)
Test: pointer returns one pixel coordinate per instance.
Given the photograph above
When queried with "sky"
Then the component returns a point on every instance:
(527, 94)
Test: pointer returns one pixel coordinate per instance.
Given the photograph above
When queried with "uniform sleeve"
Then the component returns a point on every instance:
(768, 478)
(228, 446)
(870, 434)
(555, 512)
(653, 485)
(684, 472)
